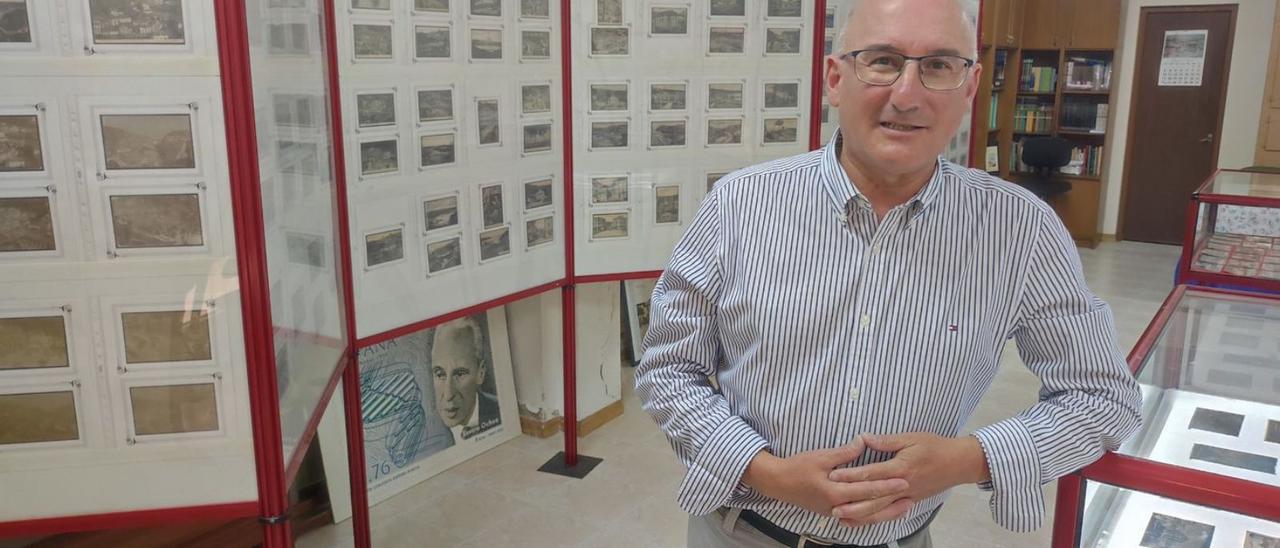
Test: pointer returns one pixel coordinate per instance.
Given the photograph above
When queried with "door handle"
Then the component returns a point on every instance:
(1207, 138)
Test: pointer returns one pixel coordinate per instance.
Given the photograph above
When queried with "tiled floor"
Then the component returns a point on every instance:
(499, 499)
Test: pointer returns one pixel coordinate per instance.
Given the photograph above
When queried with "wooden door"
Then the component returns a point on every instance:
(1094, 24)
(1268, 151)
(1174, 130)
(1042, 24)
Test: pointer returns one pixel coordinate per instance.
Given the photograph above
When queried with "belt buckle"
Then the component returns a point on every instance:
(806, 540)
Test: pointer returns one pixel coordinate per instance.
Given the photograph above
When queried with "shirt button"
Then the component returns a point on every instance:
(865, 321)
(854, 393)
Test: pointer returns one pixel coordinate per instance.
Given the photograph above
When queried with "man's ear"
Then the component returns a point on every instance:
(832, 79)
(975, 79)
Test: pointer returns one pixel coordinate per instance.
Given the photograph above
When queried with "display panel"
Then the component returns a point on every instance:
(1236, 237)
(669, 92)
(1120, 517)
(443, 136)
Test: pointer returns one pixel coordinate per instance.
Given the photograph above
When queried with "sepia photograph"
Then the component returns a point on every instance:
(668, 96)
(1258, 540)
(431, 42)
(609, 134)
(435, 105)
(1219, 422)
(488, 127)
(491, 210)
(535, 9)
(537, 138)
(378, 157)
(444, 255)
(609, 190)
(535, 44)
(166, 336)
(375, 109)
(669, 20)
(609, 225)
(486, 8)
(156, 220)
(725, 96)
(535, 98)
(380, 5)
(495, 243)
(383, 247)
(147, 141)
(539, 231)
(15, 23)
(486, 44)
(781, 130)
(307, 249)
(136, 21)
(608, 97)
(436, 6)
(289, 39)
(666, 204)
(726, 131)
(296, 109)
(538, 194)
(26, 224)
(608, 12)
(782, 40)
(438, 213)
(175, 409)
(20, 148)
(831, 19)
(33, 342)
(713, 178)
(667, 133)
(726, 40)
(728, 8)
(437, 150)
(38, 417)
(1171, 532)
(782, 95)
(610, 41)
(783, 8)
(1235, 459)
(372, 41)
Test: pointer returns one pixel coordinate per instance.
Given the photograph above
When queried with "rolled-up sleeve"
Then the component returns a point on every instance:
(682, 351)
(1089, 402)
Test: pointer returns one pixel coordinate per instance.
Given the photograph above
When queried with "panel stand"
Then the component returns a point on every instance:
(559, 465)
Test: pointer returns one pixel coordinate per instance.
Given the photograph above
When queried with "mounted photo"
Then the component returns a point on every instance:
(669, 20)
(383, 247)
(439, 213)
(166, 336)
(20, 143)
(606, 41)
(486, 44)
(605, 226)
(538, 194)
(535, 98)
(156, 220)
(152, 22)
(609, 134)
(444, 255)
(34, 342)
(437, 150)
(668, 96)
(372, 41)
(539, 231)
(537, 138)
(435, 105)
(609, 190)
(376, 109)
(378, 157)
(432, 42)
(535, 44)
(495, 243)
(147, 141)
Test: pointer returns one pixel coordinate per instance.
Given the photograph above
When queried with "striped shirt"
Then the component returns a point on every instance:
(819, 323)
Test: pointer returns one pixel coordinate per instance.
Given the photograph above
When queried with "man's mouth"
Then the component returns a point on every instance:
(899, 127)
(451, 411)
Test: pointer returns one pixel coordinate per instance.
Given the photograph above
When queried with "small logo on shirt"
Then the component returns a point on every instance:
(953, 328)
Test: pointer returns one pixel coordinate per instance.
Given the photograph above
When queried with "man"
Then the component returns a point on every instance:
(852, 304)
(459, 368)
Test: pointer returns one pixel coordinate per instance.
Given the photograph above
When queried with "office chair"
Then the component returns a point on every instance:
(1045, 156)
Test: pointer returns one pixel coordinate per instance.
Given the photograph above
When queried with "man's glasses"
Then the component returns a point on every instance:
(883, 68)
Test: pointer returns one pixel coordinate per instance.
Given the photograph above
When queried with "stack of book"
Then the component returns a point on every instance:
(1084, 116)
(1086, 161)
(1031, 116)
(1038, 79)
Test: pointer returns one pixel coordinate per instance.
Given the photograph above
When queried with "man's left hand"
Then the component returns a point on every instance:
(930, 463)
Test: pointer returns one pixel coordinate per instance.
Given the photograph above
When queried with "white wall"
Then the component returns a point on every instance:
(1248, 76)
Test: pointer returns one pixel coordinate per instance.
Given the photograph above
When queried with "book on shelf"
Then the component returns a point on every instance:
(1002, 59)
(1084, 74)
(1086, 161)
(1038, 79)
(1032, 116)
(993, 158)
(1083, 116)
(993, 113)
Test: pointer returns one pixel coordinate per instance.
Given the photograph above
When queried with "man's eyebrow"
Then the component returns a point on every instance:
(890, 47)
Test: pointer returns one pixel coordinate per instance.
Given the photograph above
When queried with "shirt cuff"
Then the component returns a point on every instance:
(1017, 502)
(715, 474)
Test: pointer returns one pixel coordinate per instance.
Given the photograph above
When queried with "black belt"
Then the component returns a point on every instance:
(791, 539)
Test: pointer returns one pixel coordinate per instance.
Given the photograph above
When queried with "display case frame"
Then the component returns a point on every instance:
(1202, 235)
(1144, 475)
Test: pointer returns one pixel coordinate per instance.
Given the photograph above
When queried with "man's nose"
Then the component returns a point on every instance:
(909, 90)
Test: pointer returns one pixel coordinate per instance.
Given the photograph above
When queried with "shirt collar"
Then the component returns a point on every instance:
(842, 190)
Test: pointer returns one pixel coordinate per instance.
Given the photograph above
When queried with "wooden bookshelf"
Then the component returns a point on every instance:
(1050, 33)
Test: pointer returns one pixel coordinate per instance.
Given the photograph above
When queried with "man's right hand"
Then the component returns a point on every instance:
(803, 480)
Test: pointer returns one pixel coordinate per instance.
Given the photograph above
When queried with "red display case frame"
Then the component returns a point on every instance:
(1204, 197)
(1161, 479)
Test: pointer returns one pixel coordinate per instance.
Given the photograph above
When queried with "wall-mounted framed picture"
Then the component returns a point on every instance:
(147, 141)
(539, 231)
(610, 134)
(538, 193)
(383, 246)
(614, 225)
(608, 96)
(441, 212)
(488, 122)
(156, 221)
(16, 25)
(379, 156)
(371, 5)
(668, 96)
(668, 134)
(777, 95)
(536, 138)
(727, 8)
(435, 104)
(669, 20)
(610, 189)
(432, 42)
(145, 23)
(23, 143)
(784, 9)
(780, 131)
(666, 205)
(610, 41)
(609, 12)
(714, 177)
(40, 417)
(28, 225)
(437, 149)
(371, 41)
(168, 409)
(375, 108)
(486, 44)
(495, 244)
(535, 45)
(535, 98)
(431, 6)
(493, 211)
(782, 41)
(486, 8)
(535, 9)
(164, 337)
(724, 131)
(726, 40)
(444, 255)
(36, 340)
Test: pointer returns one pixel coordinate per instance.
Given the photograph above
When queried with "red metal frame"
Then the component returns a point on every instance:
(128, 520)
(819, 55)
(624, 276)
(1202, 198)
(255, 298)
(568, 297)
(1068, 510)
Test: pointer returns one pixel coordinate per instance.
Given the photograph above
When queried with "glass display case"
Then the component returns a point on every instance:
(1233, 232)
(1202, 471)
